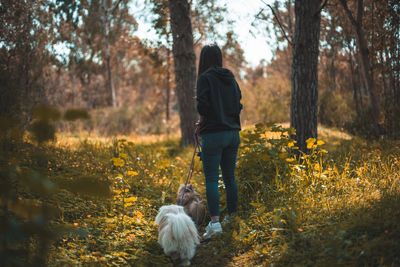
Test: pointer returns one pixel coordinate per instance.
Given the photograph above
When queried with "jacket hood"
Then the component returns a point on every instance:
(223, 74)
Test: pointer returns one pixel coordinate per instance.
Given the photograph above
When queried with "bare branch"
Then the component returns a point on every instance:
(199, 39)
(321, 7)
(279, 23)
(114, 7)
(259, 13)
(348, 12)
(360, 11)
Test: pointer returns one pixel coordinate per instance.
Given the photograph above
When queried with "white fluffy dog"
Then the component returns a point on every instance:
(177, 233)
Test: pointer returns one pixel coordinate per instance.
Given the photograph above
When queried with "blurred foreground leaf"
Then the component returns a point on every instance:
(75, 114)
(36, 182)
(46, 113)
(87, 185)
(42, 131)
(31, 209)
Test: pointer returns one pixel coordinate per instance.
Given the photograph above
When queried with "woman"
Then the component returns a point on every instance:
(218, 103)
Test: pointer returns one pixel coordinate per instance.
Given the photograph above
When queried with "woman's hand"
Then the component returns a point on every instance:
(198, 125)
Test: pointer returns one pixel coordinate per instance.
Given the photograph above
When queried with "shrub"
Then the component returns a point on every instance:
(335, 109)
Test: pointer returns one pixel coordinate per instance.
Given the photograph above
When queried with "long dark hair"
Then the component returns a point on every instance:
(210, 56)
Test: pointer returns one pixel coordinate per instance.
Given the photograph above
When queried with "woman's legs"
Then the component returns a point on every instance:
(211, 157)
(228, 165)
(220, 149)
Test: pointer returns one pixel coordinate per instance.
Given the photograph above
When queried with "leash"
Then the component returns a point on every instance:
(196, 151)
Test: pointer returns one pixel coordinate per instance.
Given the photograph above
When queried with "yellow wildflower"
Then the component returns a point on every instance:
(131, 199)
(320, 142)
(132, 173)
(310, 142)
(290, 160)
(118, 162)
(317, 167)
(290, 144)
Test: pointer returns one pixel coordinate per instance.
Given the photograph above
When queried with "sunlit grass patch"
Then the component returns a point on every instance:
(302, 210)
(74, 139)
(337, 205)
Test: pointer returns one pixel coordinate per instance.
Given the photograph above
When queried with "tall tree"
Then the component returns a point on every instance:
(233, 54)
(24, 36)
(108, 9)
(161, 26)
(185, 68)
(93, 31)
(205, 15)
(365, 61)
(303, 112)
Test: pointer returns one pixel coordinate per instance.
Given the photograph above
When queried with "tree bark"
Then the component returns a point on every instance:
(365, 63)
(107, 51)
(303, 112)
(185, 68)
(357, 97)
(168, 87)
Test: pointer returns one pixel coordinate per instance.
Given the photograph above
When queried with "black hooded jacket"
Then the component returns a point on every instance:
(218, 100)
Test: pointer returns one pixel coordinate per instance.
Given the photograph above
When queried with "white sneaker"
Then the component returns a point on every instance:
(213, 228)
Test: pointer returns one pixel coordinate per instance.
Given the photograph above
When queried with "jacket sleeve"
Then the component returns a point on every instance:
(240, 97)
(203, 95)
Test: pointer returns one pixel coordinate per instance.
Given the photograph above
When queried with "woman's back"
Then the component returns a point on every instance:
(218, 100)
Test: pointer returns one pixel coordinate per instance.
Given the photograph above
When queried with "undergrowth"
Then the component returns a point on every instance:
(335, 206)
(317, 209)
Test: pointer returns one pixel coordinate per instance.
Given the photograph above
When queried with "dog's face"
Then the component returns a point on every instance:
(192, 203)
(164, 210)
(185, 193)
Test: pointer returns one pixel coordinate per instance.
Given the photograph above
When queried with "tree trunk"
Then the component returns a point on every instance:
(392, 70)
(107, 52)
(303, 112)
(365, 63)
(168, 85)
(357, 98)
(185, 69)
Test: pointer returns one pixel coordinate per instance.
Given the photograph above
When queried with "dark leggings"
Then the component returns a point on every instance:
(220, 149)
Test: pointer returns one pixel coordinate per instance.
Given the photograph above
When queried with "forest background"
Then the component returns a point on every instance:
(64, 56)
(96, 121)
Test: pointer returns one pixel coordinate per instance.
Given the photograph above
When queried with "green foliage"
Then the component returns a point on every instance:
(335, 109)
(315, 209)
(110, 122)
(274, 106)
(304, 208)
(272, 161)
(75, 114)
(27, 192)
(42, 130)
(205, 16)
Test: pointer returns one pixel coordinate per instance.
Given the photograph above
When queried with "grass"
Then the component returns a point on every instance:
(343, 212)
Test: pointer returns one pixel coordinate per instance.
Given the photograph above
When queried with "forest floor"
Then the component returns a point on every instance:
(110, 190)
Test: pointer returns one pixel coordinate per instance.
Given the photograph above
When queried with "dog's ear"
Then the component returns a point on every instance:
(190, 186)
(160, 215)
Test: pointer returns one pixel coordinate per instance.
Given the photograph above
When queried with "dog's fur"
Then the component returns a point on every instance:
(192, 203)
(177, 233)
